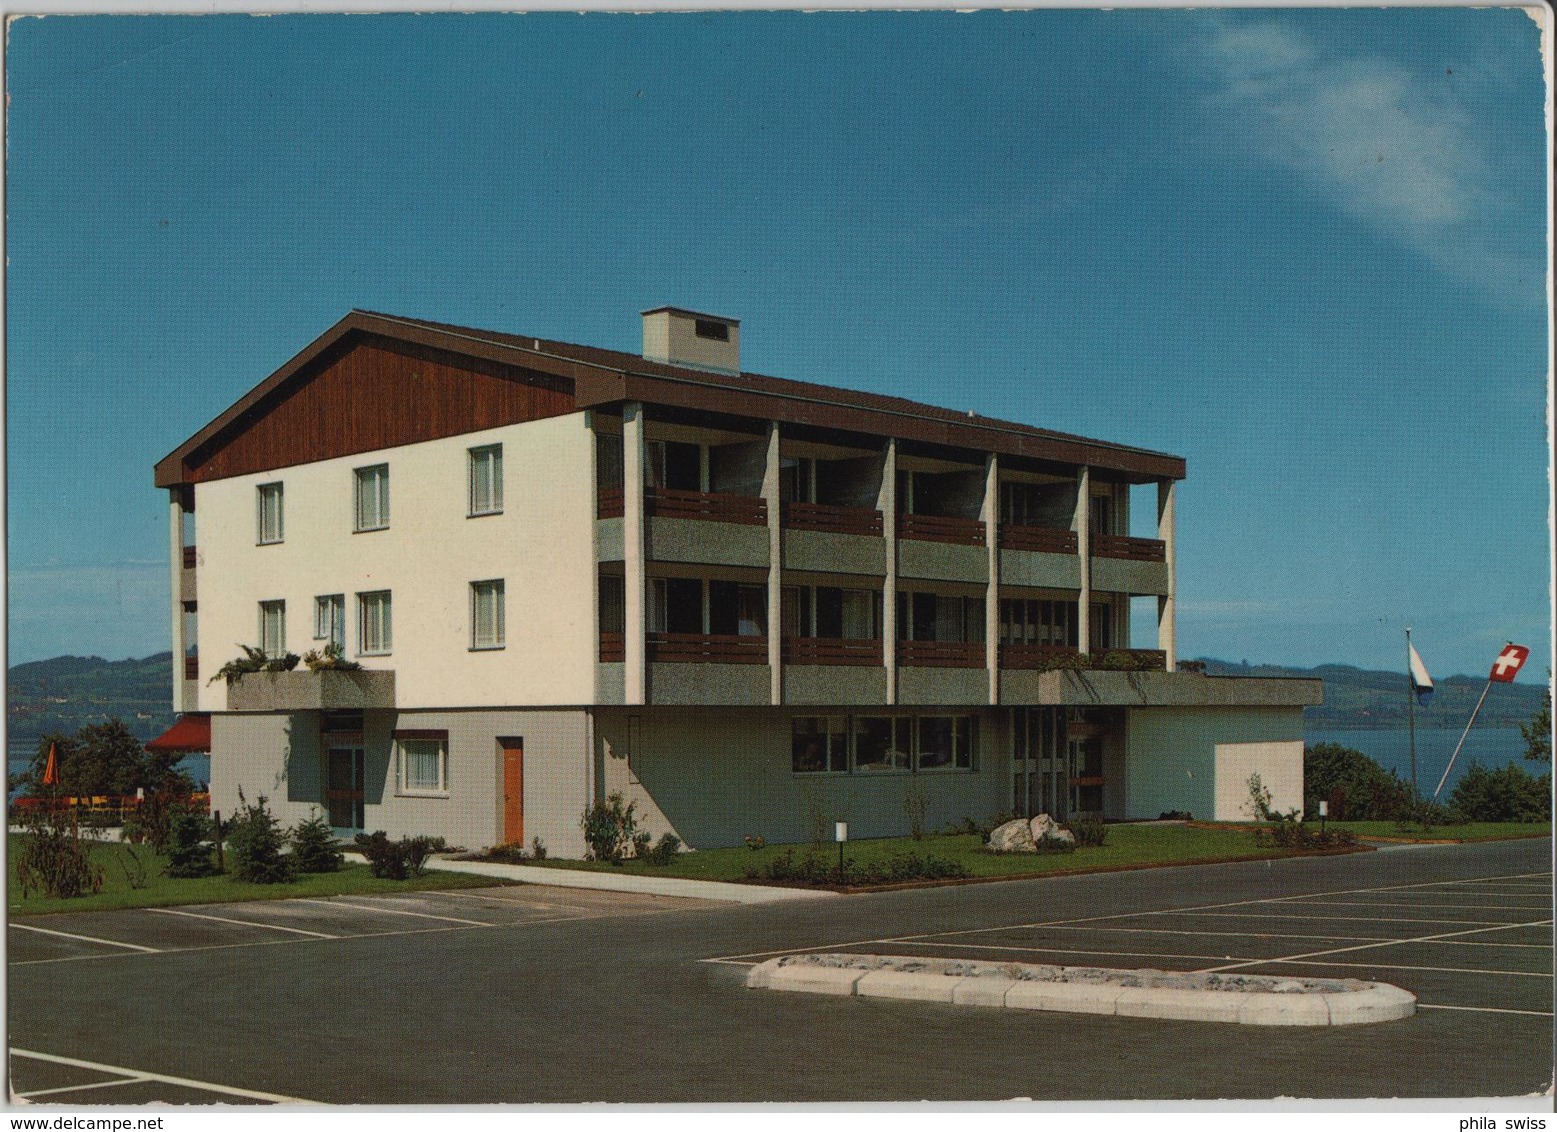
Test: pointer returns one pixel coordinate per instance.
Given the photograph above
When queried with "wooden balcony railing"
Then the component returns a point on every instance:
(189, 558)
(609, 504)
(666, 503)
(1037, 656)
(191, 667)
(837, 520)
(940, 654)
(832, 650)
(828, 517)
(704, 648)
(1048, 540)
(613, 648)
(941, 528)
(1135, 549)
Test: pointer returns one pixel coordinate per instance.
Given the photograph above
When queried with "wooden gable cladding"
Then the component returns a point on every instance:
(368, 392)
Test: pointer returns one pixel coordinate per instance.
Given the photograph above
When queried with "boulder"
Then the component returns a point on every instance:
(1012, 837)
(1045, 828)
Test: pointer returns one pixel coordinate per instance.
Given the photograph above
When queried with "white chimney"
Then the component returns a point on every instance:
(688, 338)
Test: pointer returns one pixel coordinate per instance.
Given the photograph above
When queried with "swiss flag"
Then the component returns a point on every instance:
(1508, 663)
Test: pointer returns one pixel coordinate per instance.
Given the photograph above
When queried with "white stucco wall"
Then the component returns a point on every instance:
(714, 777)
(1173, 765)
(542, 546)
(1279, 765)
(280, 756)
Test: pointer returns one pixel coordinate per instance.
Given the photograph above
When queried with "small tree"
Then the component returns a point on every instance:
(53, 861)
(189, 845)
(256, 840)
(313, 846)
(609, 827)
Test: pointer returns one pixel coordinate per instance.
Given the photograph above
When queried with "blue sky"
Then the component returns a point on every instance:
(1303, 249)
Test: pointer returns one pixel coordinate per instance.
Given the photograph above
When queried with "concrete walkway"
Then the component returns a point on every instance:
(629, 882)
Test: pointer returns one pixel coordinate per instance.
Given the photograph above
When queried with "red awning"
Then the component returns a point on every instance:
(192, 732)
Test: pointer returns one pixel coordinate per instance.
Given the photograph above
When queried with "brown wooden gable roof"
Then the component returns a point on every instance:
(481, 379)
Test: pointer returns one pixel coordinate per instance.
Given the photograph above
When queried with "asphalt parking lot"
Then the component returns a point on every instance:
(1482, 944)
(527, 995)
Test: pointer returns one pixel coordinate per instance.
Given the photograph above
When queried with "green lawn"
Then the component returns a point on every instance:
(1471, 831)
(161, 891)
(1126, 846)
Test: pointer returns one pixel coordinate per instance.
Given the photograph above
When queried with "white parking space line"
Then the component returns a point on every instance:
(1230, 934)
(510, 903)
(187, 1082)
(1482, 1009)
(392, 911)
(1367, 946)
(240, 923)
(1419, 907)
(1410, 967)
(87, 938)
(79, 1088)
(1070, 951)
(1329, 919)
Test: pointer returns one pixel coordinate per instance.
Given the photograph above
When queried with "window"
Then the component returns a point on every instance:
(708, 328)
(613, 603)
(737, 610)
(819, 744)
(486, 615)
(269, 507)
(675, 605)
(882, 742)
(330, 620)
(1037, 622)
(936, 617)
(486, 480)
(424, 766)
(374, 626)
(372, 498)
(273, 628)
(944, 742)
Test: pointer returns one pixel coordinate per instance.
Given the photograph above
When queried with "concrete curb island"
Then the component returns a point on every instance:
(1251, 1000)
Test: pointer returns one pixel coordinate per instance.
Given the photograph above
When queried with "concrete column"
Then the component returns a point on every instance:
(634, 582)
(1167, 628)
(886, 503)
(770, 492)
(991, 516)
(1082, 524)
(176, 562)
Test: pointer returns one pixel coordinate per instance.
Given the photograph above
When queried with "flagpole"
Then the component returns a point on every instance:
(1416, 795)
(1461, 743)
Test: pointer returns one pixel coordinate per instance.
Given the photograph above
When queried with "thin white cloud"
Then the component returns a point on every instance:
(114, 611)
(1374, 137)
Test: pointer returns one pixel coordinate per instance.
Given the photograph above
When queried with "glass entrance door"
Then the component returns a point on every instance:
(345, 787)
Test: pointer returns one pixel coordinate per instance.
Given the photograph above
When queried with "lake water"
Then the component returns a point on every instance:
(1492, 747)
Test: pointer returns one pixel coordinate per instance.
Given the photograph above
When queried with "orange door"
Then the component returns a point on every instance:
(513, 790)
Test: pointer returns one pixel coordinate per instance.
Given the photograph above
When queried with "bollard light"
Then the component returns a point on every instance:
(840, 834)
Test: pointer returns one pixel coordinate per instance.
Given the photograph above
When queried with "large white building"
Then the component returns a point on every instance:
(753, 605)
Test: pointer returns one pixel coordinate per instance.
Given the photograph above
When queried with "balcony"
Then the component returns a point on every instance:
(325, 690)
(708, 506)
(613, 648)
(1039, 657)
(1044, 540)
(832, 650)
(610, 503)
(190, 558)
(706, 648)
(832, 519)
(941, 528)
(941, 654)
(1128, 548)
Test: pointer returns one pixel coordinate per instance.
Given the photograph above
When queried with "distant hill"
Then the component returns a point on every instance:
(1357, 698)
(70, 692)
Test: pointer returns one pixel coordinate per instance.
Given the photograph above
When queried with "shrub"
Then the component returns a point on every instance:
(1089, 832)
(1509, 794)
(511, 854)
(537, 848)
(329, 659)
(755, 842)
(609, 827)
(397, 860)
(641, 842)
(1356, 787)
(1175, 815)
(134, 868)
(815, 869)
(1286, 832)
(664, 851)
(313, 846)
(53, 861)
(189, 848)
(256, 840)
